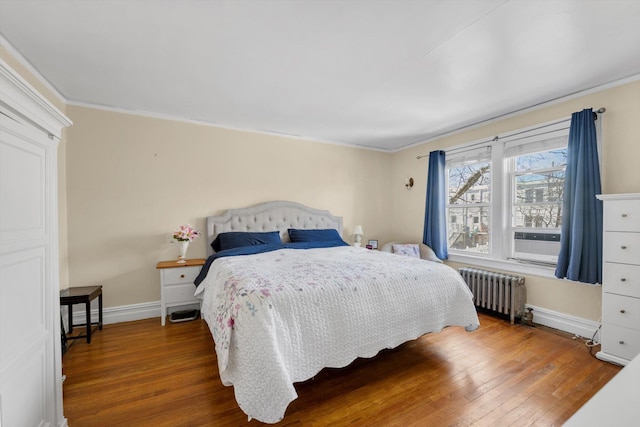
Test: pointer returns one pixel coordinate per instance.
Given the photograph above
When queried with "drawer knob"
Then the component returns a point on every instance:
(624, 215)
(623, 280)
(621, 342)
(623, 247)
(623, 311)
(182, 276)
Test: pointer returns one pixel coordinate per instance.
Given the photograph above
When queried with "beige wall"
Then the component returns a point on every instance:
(125, 181)
(34, 81)
(133, 179)
(621, 174)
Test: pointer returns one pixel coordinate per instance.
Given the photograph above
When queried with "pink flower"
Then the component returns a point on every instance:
(185, 233)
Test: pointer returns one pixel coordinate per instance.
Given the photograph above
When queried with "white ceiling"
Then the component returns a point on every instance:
(379, 74)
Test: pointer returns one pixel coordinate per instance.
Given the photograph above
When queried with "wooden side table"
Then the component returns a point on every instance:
(82, 295)
(176, 284)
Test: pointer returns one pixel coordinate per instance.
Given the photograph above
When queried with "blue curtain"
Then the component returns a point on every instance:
(580, 256)
(435, 224)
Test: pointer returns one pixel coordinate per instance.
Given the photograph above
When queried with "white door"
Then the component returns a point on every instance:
(30, 359)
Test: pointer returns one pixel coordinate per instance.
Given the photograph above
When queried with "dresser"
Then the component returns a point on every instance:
(620, 335)
(176, 284)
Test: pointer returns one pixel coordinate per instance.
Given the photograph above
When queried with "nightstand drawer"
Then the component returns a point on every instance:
(622, 215)
(620, 341)
(622, 247)
(622, 279)
(180, 275)
(180, 293)
(621, 310)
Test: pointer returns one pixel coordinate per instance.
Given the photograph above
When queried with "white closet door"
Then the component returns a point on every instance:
(28, 282)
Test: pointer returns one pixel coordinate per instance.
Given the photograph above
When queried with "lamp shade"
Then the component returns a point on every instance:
(358, 230)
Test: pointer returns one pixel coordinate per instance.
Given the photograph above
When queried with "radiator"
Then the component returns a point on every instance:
(498, 292)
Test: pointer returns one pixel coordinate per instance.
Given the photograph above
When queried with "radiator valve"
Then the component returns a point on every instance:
(527, 318)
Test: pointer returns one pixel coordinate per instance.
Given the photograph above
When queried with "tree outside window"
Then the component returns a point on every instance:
(469, 198)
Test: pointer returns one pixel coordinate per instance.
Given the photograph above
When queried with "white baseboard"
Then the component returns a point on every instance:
(542, 316)
(612, 359)
(123, 313)
(127, 313)
(564, 322)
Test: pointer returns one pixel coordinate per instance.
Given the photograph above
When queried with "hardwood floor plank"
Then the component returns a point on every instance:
(143, 374)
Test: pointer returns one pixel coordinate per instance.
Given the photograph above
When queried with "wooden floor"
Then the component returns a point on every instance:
(142, 374)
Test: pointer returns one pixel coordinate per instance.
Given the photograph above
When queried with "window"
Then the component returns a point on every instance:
(538, 182)
(469, 198)
(505, 195)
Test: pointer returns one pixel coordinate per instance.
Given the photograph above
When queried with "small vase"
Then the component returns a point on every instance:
(183, 246)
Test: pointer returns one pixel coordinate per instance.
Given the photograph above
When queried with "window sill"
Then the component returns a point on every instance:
(510, 266)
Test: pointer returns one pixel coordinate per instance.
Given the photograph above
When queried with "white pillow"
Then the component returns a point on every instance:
(410, 250)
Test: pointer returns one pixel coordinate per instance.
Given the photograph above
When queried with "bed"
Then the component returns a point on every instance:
(280, 313)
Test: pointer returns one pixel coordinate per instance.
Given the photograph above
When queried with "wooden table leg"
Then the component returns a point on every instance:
(63, 336)
(88, 309)
(70, 317)
(100, 311)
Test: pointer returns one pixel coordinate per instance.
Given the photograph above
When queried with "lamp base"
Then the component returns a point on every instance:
(356, 244)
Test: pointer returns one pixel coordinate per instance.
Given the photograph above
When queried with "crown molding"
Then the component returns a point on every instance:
(525, 110)
(161, 116)
(22, 98)
(26, 64)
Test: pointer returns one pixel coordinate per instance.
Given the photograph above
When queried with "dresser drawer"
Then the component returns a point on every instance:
(623, 279)
(620, 341)
(180, 293)
(622, 215)
(621, 247)
(180, 275)
(621, 310)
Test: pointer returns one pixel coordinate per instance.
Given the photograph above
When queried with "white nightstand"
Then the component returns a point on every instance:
(176, 284)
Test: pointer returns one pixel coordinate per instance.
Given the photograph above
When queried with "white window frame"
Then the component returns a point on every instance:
(503, 148)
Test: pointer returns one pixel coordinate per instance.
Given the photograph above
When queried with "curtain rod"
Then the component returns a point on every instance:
(496, 138)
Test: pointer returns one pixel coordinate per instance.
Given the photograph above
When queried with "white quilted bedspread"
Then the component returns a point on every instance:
(280, 317)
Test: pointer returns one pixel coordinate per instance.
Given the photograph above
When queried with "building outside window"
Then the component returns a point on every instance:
(538, 183)
(469, 197)
(505, 195)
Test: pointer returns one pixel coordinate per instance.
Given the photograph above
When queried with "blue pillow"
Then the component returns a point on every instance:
(237, 239)
(322, 235)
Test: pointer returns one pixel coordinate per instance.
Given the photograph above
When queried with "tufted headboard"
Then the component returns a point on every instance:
(270, 216)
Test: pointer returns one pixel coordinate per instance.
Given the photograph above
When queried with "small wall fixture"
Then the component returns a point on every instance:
(408, 183)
